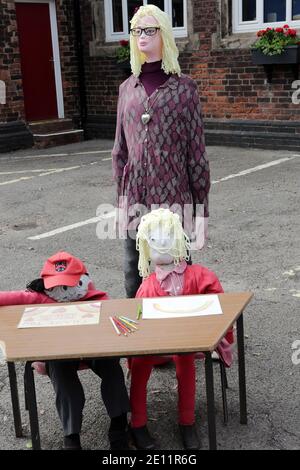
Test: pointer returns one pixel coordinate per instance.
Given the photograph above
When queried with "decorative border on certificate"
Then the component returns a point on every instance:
(182, 306)
(61, 315)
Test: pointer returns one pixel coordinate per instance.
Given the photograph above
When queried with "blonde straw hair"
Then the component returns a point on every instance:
(170, 224)
(169, 50)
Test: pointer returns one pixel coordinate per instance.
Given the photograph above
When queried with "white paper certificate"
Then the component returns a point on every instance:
(182, 306)
(61, 315)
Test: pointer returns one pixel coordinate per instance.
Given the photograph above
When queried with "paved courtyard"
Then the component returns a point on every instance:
(49, 201)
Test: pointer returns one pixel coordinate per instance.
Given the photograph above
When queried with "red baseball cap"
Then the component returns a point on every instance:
(62, 269)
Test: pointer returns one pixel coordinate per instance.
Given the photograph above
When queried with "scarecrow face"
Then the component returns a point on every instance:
(68, 293)
(149, 45)
(161, 242)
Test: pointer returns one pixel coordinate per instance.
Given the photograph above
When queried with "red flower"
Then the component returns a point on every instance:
(292, 32)
(286, 26)
(124, 43)
(279, 30)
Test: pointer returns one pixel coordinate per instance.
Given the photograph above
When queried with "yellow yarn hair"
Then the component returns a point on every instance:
(169, 223)
(169, 50)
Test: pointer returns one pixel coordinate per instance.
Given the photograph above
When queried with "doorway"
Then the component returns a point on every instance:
(40, 62)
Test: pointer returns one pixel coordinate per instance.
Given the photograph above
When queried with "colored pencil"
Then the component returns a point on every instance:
(124, 329)
(126, 326)
(130, 325)
(129, 319)
(115, 326)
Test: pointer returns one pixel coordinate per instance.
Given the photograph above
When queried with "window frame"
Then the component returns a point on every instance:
(240, 26)
(111, 36)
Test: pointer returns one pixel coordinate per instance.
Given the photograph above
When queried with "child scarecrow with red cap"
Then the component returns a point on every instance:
(64, 278)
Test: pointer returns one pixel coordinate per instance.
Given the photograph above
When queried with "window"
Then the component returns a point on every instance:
(119, 12)
(252, 15)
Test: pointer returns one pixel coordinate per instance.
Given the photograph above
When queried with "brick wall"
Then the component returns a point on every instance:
(14, 132)
(102, 82)
(10, 66)
(232, 88)
(68, 57)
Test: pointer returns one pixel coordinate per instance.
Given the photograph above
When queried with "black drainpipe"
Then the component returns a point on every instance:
(81, 68)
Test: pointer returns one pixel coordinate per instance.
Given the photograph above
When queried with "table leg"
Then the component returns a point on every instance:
(15, 398)
(32, 407)
(211, 418)
(242, 372)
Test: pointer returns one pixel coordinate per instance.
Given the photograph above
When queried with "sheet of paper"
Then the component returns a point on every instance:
(61, 315)
(183, 306)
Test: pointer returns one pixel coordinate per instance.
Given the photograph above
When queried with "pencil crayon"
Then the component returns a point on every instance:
(124, 329)
(121, 322)
(129, 319)
(115, 326)
(130, 325)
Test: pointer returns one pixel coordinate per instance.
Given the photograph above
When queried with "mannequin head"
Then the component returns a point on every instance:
(151, 46)
(160, 46)
(161, 239)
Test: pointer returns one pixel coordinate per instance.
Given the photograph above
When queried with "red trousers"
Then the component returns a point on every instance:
(141, 368)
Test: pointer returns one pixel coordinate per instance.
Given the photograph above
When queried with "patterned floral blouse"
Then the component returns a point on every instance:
(162, 161)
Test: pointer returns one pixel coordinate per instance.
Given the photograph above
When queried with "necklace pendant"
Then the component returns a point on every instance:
(145, 118)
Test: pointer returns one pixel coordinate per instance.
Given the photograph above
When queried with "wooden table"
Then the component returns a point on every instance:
(159, 336)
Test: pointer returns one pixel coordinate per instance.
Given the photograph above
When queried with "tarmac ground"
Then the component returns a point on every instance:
(253, 245)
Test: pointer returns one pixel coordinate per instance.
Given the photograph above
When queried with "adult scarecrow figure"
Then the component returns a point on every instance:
(159, 156)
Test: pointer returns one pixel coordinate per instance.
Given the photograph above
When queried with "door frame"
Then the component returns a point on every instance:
(56, 54)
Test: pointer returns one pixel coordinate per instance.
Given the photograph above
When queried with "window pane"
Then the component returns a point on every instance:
(177, 13)
(274, 10)
(296, 10)
(158, 3)
(132, 5)
(117, 16)
(249, 10)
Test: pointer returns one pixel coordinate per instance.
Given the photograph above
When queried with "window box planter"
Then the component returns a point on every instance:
(291, 55)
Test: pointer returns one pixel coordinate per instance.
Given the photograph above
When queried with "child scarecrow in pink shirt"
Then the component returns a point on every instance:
(161, 239)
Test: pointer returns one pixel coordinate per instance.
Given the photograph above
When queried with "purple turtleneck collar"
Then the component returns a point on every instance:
(152, 76)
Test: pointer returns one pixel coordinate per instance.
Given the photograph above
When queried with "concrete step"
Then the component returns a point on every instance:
(54, 132)
(42, 141)
(53, 125)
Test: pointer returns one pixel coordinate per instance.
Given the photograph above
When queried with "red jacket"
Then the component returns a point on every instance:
(197, 280)
(22, 297)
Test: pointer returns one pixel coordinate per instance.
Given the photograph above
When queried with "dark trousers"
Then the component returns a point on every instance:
(70, 397)
(131, 272)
